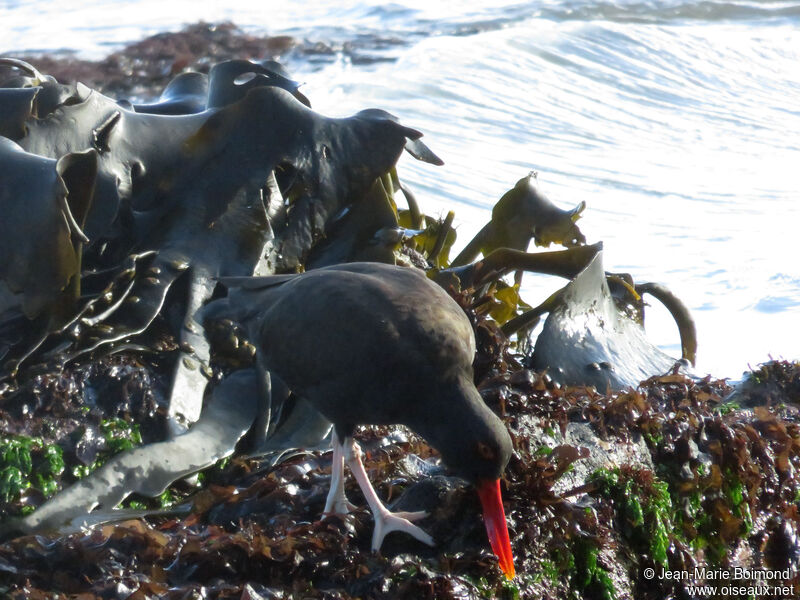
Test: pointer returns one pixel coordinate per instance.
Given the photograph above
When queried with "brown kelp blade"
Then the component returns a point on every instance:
(495, 519)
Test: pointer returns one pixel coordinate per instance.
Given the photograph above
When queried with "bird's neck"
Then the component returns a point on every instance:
(454, 421)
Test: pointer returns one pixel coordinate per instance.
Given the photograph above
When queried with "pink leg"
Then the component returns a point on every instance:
(337, 503)
(385, 521)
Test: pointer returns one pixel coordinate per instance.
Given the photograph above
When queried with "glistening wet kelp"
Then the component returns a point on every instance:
(45, 204)
(250, 186)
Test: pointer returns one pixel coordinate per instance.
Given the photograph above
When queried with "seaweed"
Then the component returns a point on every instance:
(185, 94)
(44, 204)
(252, 527)
(585, 339)
(28, 463)
(201, 192)
(523, 214)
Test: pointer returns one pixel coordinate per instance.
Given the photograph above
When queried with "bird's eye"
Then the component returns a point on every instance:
(485, 451)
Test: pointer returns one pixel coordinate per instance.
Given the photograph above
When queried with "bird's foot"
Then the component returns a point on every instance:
(387, 521)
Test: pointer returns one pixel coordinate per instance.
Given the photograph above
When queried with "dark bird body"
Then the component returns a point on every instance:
(368, 343)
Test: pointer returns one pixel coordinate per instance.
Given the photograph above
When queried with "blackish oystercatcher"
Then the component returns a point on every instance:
(369, 343)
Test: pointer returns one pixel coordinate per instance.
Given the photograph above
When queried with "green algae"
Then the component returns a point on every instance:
(28, 463)
(588, 576)
(120, 435)
(645, 508)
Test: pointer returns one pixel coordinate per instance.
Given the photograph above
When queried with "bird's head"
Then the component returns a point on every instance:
(474, 443)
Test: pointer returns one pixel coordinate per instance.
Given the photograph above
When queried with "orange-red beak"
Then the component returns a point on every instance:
(495, 519)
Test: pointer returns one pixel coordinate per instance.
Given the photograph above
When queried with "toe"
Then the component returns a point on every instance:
(388, 522)
(411, 516)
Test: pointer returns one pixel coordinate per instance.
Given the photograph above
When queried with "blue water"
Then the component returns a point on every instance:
(677, 122)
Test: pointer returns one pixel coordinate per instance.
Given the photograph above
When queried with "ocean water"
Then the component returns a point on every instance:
(678, 122)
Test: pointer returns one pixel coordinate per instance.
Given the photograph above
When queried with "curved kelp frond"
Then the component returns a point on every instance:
(185, 95)
(523, 214)
(200, 190)
(358, 233)
(16, 107)
(229, 81)
(44, 203)
(587, 341)
(31, 75)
